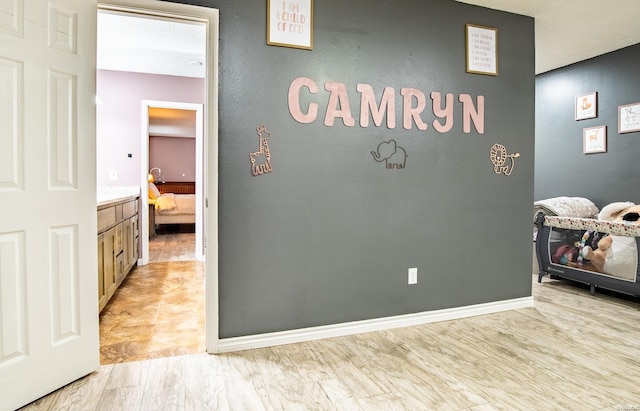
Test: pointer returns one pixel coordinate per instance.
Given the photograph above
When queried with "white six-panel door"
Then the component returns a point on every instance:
(48, 239)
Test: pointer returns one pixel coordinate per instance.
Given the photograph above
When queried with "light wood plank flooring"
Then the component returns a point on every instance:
(571, 351)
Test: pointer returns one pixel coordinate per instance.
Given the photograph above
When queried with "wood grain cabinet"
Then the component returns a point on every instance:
(106, 266)
(118, 237)
(130, 245)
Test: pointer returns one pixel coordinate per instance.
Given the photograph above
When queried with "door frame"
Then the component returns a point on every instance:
(211, 18)
(201, 158)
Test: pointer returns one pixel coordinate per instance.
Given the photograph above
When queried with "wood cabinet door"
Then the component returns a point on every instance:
(102, 289)
(135, 234)
(132, 242)
(110, 266)
(126, 246)
(119, 244)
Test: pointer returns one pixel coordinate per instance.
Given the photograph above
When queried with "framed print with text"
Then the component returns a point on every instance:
(481, 49)
(290, 23)
(594, 140)
(629, 118)
(587, 106)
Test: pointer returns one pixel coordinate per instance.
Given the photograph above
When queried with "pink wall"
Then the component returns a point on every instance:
(176, 156)
(119, 118)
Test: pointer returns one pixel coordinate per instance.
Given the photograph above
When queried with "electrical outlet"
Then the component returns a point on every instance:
(113, 175)
(413, 276)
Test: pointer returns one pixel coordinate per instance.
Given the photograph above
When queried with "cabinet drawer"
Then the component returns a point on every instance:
(129, 209)
(106, 218)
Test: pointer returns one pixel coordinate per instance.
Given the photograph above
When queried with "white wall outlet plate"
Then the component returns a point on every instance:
(413, 276)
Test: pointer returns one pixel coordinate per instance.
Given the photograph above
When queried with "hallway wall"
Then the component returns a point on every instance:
(561, 167)
(119, 117)
(327, 234)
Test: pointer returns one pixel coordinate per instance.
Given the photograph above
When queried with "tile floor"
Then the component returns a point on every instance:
(158, 311)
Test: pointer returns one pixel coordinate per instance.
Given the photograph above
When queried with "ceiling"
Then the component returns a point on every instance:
(172, 122)
(143, 44)
(128, 42)
(566, 31)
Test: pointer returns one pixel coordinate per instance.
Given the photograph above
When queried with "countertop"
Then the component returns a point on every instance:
(107, 195)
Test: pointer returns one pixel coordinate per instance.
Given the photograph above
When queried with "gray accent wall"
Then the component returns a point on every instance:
(328, 236)
(561, 168)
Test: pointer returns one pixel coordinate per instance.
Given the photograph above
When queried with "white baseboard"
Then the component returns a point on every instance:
(356, 327)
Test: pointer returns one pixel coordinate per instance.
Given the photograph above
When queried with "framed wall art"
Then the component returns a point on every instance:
(290, 23)
(594, 140)
(587, 106)
(481, 49)
(629, 118)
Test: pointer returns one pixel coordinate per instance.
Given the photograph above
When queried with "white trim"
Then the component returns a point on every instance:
(145, 166)
(211, 17)
(356, 327)
(211, 188)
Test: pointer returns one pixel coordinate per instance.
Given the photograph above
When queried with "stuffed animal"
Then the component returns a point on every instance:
(616, 255)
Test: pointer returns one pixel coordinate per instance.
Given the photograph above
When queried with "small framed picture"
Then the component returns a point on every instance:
(629, 118)
(587, 106)
(594, 140)
(482, 49)
(290, 23)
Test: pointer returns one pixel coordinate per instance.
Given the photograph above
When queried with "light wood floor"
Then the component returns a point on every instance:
(571, 351)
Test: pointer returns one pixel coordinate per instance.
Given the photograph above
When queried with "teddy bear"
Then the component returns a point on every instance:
(616, 255)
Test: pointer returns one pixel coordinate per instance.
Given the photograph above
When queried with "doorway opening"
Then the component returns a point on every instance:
(172, 138)
(172, 145)
(174, 21)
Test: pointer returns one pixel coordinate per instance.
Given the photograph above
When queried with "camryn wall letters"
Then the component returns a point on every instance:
(414, 103)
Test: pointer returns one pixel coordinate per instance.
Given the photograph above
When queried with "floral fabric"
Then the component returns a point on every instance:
(611, 227)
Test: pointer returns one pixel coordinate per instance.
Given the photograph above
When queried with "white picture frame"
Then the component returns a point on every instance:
(586, 106)
(594, 140)
(629, 118)
(290, 23)
(481, 49)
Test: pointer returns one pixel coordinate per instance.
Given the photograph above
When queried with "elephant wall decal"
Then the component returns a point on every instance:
(391, 153)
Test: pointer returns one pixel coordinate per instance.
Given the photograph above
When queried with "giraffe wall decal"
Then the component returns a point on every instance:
(261, 159)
